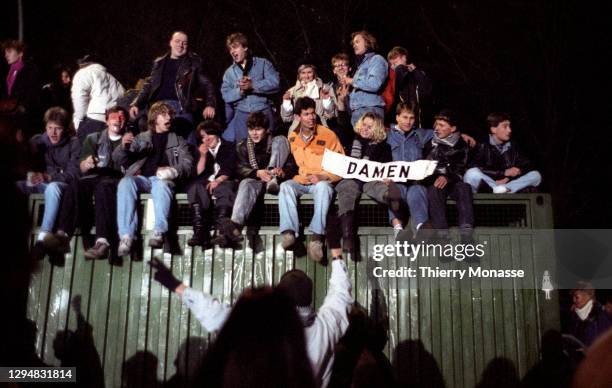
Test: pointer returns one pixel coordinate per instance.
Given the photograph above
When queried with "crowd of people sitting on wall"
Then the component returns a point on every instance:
(147, 141)
(102, 146)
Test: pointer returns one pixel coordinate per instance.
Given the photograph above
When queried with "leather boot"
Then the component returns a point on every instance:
(348, 231)
(200, 232)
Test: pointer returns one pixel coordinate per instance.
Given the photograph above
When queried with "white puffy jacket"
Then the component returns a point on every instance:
(94, 90)
(321, 334)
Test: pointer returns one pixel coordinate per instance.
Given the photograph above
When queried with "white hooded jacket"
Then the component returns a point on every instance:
(322, 332)
(94, 90)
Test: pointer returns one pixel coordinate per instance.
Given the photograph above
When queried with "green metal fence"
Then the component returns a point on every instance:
(143, 336)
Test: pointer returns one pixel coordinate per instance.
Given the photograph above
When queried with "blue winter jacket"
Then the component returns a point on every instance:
(368, 82)
(265, 82)
(408, 147)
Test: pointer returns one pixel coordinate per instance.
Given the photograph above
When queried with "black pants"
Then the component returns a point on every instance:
(78, 207)
(88, 126)
(460, 192)
(225, 196)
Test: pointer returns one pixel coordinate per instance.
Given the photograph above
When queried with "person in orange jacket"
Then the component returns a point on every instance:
(308, 143)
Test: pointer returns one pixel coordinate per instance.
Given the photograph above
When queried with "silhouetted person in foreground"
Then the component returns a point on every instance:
(261, 345)
(77, 349)
(322, 329)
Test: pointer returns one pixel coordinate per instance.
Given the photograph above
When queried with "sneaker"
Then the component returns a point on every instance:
(99, 251)
(394, 197)
(125, 246)
(396, 232)
(56, 243)
(500, 189)
(288, 243)
(315, 248)
(272, 187)
(157, 240)
(423, 231)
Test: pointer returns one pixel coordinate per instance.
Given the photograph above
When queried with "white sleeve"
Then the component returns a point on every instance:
(338, 302)
(81, 87)
(208, 310)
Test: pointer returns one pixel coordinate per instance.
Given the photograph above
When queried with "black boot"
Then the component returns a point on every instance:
(348, 231)
(228, 234)
(200, 232)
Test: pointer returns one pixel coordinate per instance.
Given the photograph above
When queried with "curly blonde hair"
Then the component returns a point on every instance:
(380, 134)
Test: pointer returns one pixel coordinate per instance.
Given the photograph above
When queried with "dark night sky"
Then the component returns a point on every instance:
(541, 61)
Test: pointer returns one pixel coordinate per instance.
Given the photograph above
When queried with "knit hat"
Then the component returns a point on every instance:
(298, 286)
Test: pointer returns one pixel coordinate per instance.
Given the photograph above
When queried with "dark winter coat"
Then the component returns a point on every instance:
(590, 329)
(452, 161)
(193, 88)
(493, 163)
(60, 161)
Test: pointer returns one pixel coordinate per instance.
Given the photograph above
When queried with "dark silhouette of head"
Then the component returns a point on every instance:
(261, 344)
(297, 286)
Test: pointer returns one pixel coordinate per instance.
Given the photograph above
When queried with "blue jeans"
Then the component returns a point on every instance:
(127, 198)
(53, 197)
(416, 197)
(290, 191)
(356, 114)
(474, 176)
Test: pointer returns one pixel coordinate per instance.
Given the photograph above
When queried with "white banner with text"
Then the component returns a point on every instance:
(367, 171)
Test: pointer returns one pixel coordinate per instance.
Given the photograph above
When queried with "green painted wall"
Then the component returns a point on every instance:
(123, 311)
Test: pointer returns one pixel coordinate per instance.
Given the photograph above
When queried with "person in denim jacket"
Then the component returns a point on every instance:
(407, 145)
(247, 85)
(369, 79)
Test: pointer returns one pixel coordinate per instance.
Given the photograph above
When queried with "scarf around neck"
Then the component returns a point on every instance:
(583, 313)
(12, 75)
(251, 151)
(450, 140)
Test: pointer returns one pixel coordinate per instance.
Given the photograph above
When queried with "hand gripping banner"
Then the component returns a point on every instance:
(367, 171)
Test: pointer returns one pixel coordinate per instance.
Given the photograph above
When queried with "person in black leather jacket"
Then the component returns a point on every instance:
(500, 163)
(451, 152)
(178, 79)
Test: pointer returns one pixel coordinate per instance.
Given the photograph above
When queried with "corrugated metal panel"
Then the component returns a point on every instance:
(144, 336)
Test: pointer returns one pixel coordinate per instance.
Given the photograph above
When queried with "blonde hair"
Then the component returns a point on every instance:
(307, 66)
(379, 132)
